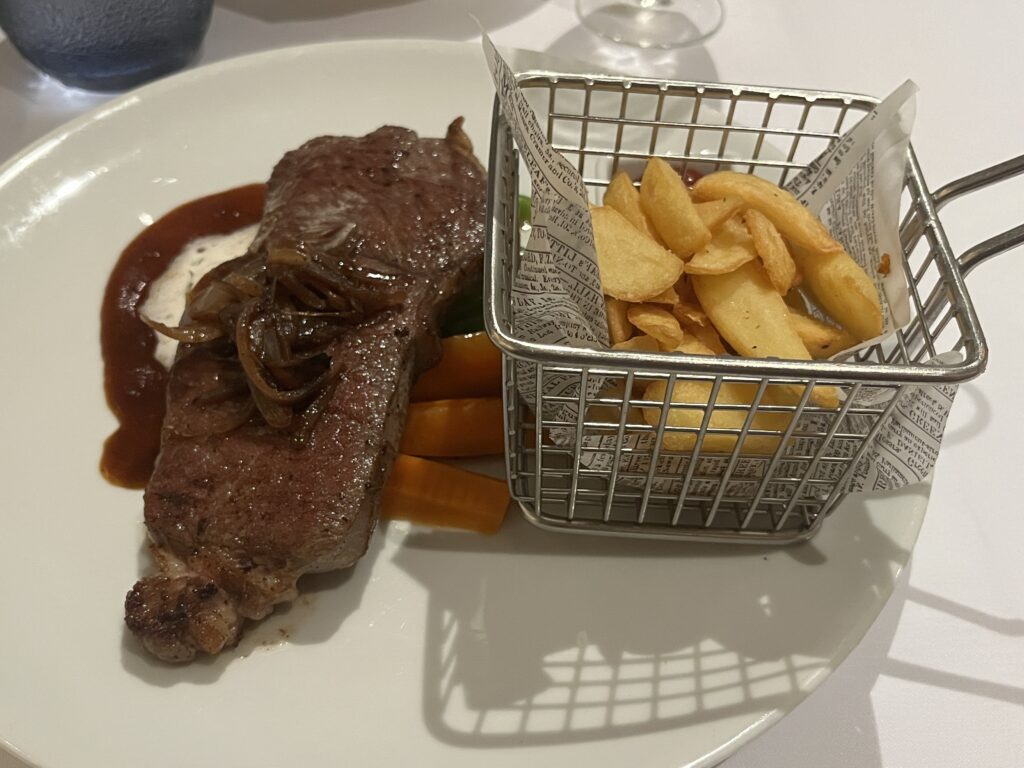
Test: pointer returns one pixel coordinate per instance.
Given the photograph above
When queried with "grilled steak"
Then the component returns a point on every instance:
(237, 516)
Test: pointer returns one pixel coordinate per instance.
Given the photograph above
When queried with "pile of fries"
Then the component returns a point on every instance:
(727, 267)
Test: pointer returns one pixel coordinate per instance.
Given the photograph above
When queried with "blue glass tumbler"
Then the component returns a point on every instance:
(106, 45)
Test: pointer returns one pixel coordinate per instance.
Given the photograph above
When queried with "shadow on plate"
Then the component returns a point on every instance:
(535, 638)
(856, 731)
(325, 601)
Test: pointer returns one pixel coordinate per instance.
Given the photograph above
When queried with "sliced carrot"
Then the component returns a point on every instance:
(470, 367)
(454, 428)
(432, 493)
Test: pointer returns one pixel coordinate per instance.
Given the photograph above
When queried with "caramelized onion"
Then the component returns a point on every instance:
(301, 292)
(272, 319)
(251, 338)
(211, 300)
(275, 414)
(194, 333)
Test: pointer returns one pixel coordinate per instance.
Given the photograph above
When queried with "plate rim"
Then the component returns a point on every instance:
(22, 159)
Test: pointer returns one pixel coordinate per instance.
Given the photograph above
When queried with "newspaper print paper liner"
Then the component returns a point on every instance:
(854, 187)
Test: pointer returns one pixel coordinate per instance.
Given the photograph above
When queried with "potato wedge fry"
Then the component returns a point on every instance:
(642, 343)
(734, 230)
(619, 328)
(668, 297)
(715, 261)
(696, 324)
(754, 319)
(821, 339)
(691, 312)
(698, 394)
(657, 322)
(823, 395)
(693, 344)
(714, 213)
(839, 286)
(730, 248)
(633, 267)
(706, 335)
(748, 313)
(666, 201)
(796, 223)
(772, 249)
(625, 198)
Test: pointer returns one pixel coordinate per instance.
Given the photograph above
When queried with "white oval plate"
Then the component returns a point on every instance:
(527, 648)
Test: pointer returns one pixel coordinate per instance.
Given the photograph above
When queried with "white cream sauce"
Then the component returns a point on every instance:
(166, 300)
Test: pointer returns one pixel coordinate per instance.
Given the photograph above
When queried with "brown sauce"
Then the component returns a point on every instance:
(135, 383)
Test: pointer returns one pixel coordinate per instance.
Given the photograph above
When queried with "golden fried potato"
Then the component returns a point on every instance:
(772, 249)
(657, 322)
(843, 289)
(639, 344)
(714, 213)
(823, 395)
(619, 328)
(693, 346)
(692, 312)
(633, 267)
(715, 261)
(698, 394)
(668, 297)
(705, 334)
(696, 325)
(666, 201)
(754, 319)
(625, 198)
(796, 223)
(748, 312)
(730, 248)
(821, 339)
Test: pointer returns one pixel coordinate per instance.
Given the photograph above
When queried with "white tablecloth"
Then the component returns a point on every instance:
(939, 679)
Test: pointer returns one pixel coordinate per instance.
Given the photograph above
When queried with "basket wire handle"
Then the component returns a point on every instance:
(997, 244)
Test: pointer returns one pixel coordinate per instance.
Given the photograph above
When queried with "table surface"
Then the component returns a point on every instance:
(939, 678)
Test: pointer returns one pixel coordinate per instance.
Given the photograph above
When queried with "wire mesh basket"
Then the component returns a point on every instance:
(618, 474)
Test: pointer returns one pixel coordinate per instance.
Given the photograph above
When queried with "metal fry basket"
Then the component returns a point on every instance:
(618, 474)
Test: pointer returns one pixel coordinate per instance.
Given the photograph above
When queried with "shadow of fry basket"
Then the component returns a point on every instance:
(616, 474)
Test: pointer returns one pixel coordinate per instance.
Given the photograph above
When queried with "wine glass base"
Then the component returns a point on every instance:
(652, 23)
